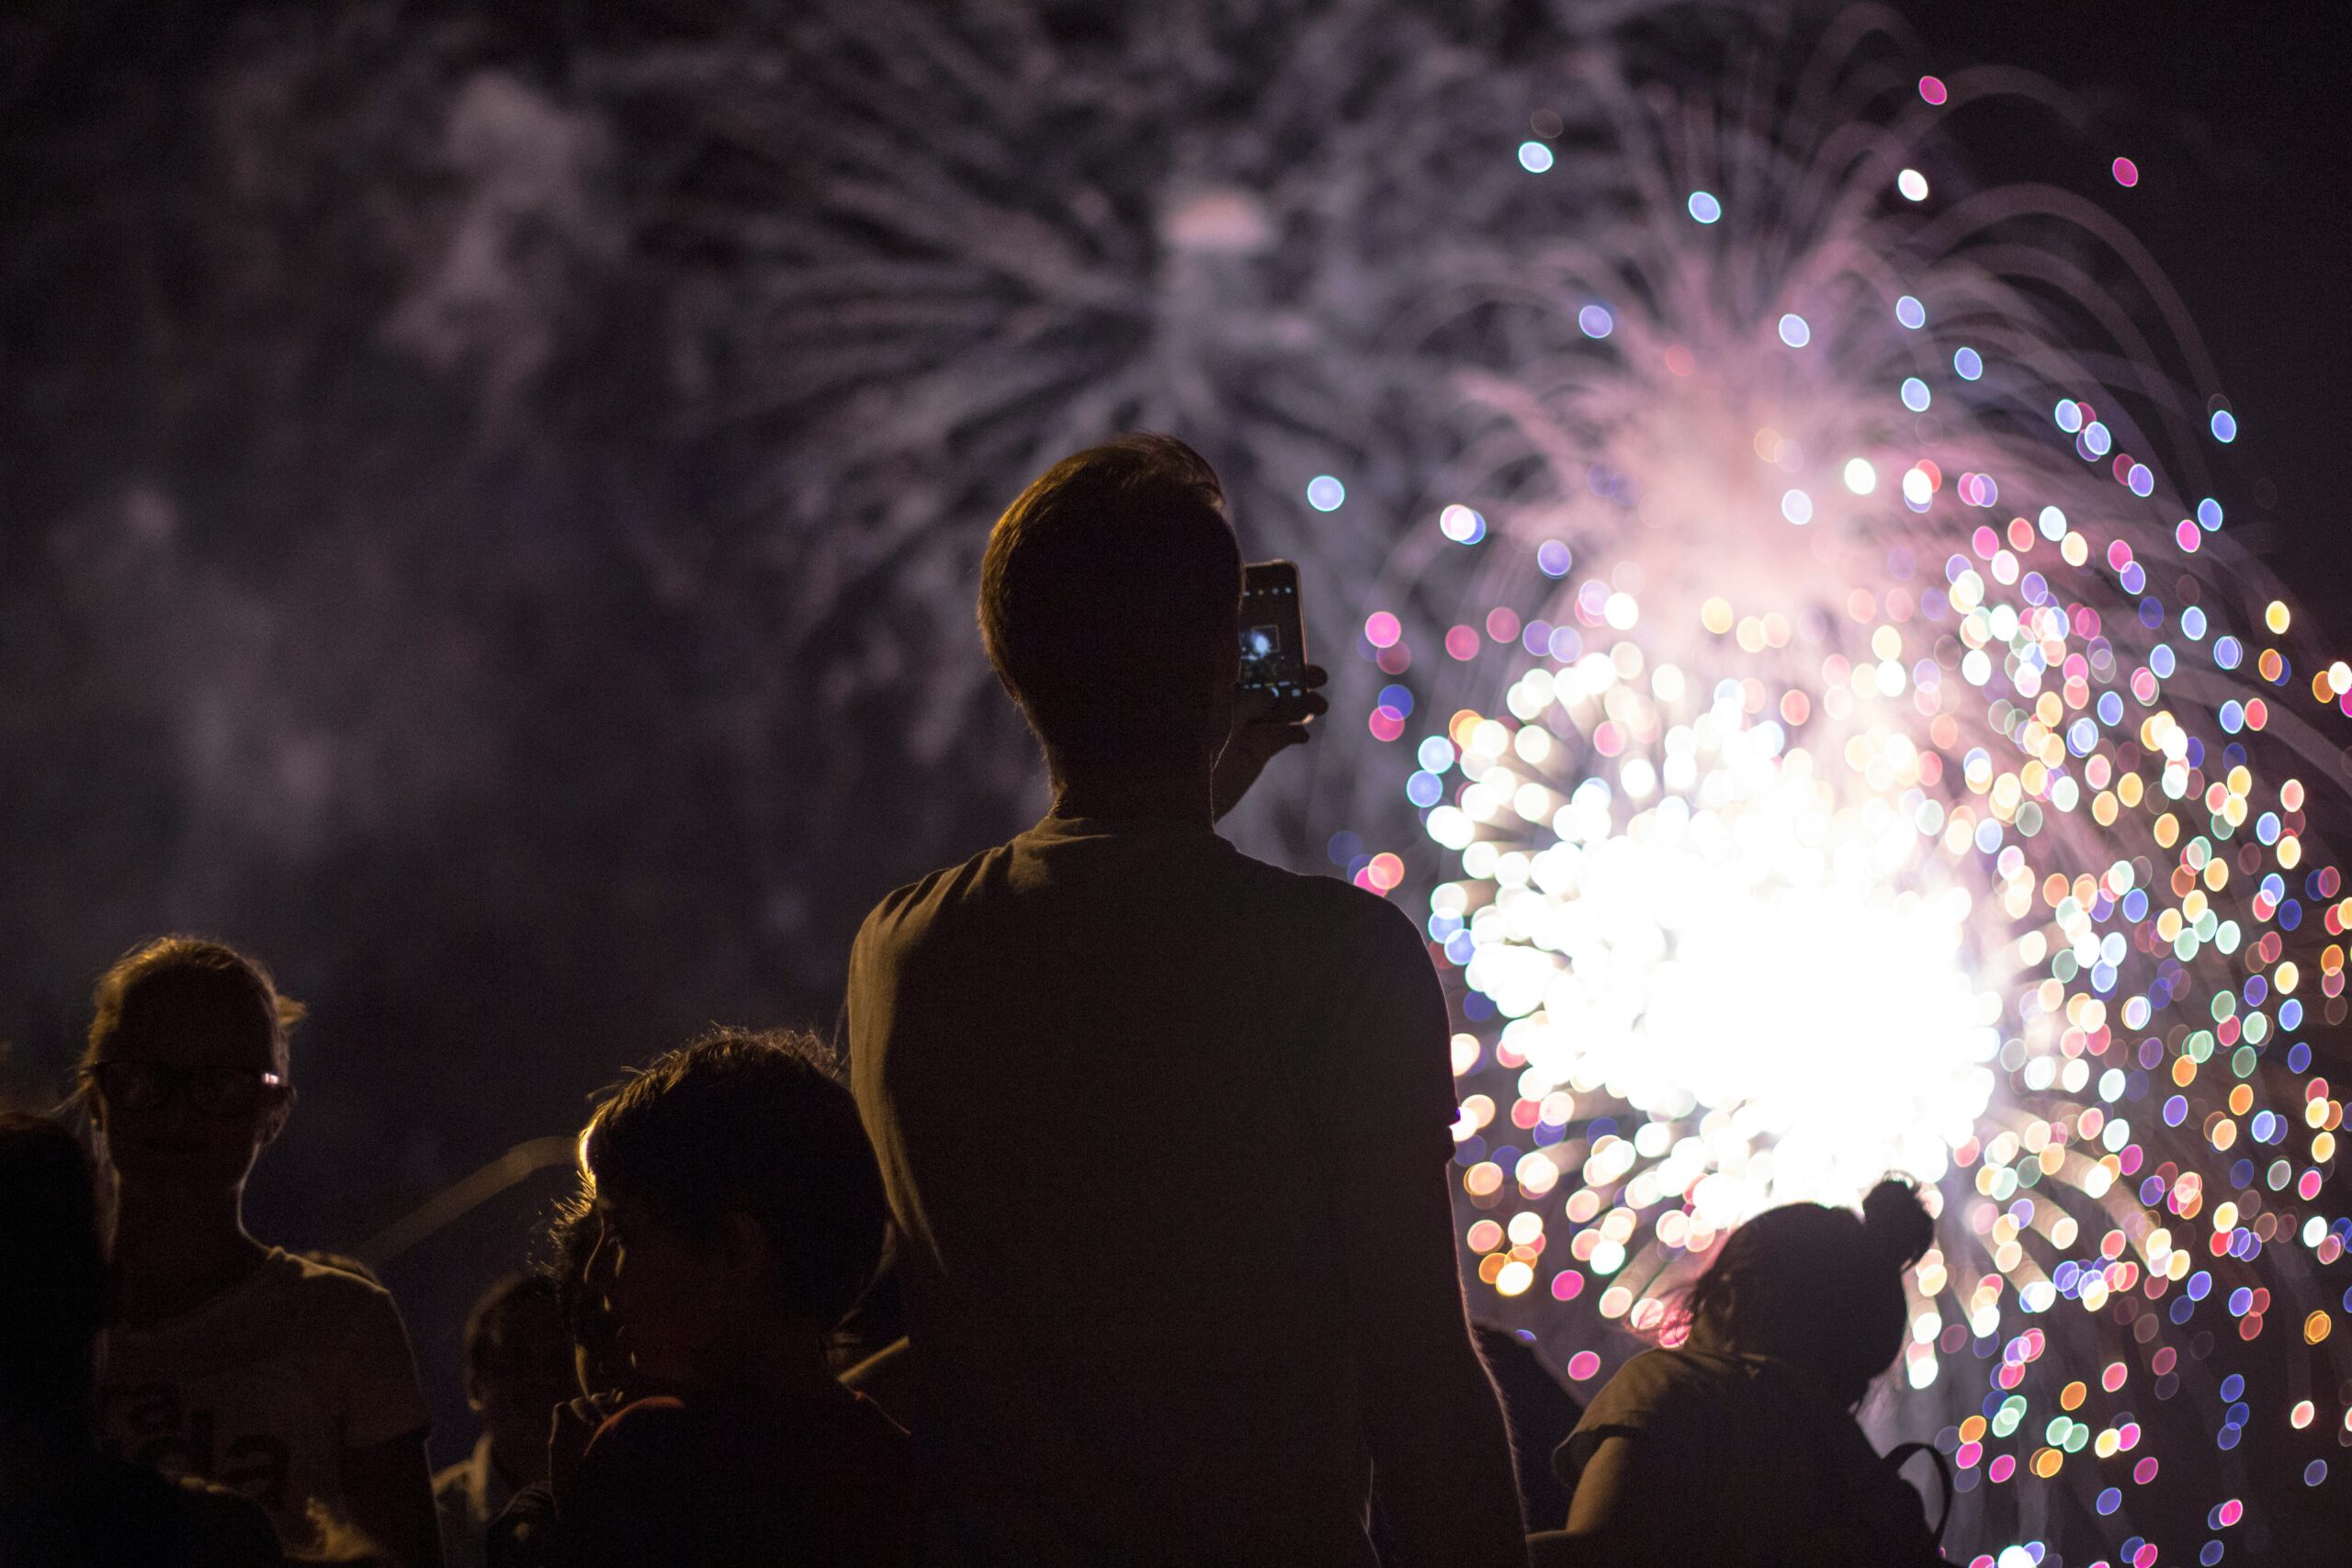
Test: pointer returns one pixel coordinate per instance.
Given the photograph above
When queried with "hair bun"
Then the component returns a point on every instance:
(1896, 1226)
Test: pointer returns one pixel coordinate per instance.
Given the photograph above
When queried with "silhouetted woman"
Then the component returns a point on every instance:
(232, 1360)
(1740, 1445)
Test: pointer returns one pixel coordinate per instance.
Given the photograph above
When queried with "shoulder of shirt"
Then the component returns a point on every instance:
(322, 1287)
(1665, 1377)
(1329, 901)
(328, 1279)
(1356, 917)
(894, 905)
(301, 1301)
(1332, 897)
(1351, 921)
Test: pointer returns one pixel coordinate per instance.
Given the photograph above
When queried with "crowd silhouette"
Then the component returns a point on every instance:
(857, 1302)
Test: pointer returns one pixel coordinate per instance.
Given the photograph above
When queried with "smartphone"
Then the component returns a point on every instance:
(1273, 638)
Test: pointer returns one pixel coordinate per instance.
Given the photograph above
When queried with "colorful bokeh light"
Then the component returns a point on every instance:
(1962, 830)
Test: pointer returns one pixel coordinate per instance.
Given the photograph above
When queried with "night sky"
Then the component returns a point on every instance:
(2236, 118)
(328, 637)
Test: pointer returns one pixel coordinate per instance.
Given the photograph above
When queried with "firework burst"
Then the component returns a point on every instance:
(1856, 748)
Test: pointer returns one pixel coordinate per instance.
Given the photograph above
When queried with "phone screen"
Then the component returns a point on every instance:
(1273, 638)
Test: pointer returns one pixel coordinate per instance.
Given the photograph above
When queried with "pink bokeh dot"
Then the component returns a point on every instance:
(1463, 643)
(1381, 629)
(1931, 88)
(2127, 173)
(1582, 1366)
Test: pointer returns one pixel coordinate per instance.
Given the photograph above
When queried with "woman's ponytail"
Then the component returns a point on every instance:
(1896, 1227)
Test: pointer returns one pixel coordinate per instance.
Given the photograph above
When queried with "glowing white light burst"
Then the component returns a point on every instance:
(1777, 980)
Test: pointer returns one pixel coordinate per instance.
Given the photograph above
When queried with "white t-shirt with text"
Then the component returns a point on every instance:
(262, 1388)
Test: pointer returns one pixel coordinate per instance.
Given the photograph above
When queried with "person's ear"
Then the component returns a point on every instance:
(1224, 693)
(743, 1250)
(476, 1400)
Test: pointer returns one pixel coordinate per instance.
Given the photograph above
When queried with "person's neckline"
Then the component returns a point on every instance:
(1099, 823)
(1756, 1361)
(270, 1260)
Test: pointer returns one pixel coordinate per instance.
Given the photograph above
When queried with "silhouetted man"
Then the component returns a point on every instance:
(518, 1369)
(1165, 1128)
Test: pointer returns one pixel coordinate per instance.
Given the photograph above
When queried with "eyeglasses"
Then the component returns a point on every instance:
(215, 1092)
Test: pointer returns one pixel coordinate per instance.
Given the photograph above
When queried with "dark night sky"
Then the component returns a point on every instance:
(2237, 117)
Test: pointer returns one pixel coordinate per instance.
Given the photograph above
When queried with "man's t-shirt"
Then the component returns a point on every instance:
(262, 1388)
(1117, 1075)
(468, 1496)
(728, 1483)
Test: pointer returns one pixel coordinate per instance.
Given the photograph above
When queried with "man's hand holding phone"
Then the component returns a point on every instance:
(1277, 698)
(1265, 723)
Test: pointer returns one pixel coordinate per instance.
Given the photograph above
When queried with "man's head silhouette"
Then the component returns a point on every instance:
(1110, 601)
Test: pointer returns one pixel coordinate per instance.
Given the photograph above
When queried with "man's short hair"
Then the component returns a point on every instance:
(490, 1325)
(1109, 591)
(758, 1123)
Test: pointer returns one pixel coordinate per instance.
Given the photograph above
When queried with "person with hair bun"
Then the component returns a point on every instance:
(1739, 1445)
(263, 1371)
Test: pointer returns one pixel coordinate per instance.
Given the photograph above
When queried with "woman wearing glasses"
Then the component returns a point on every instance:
(230, 1359)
